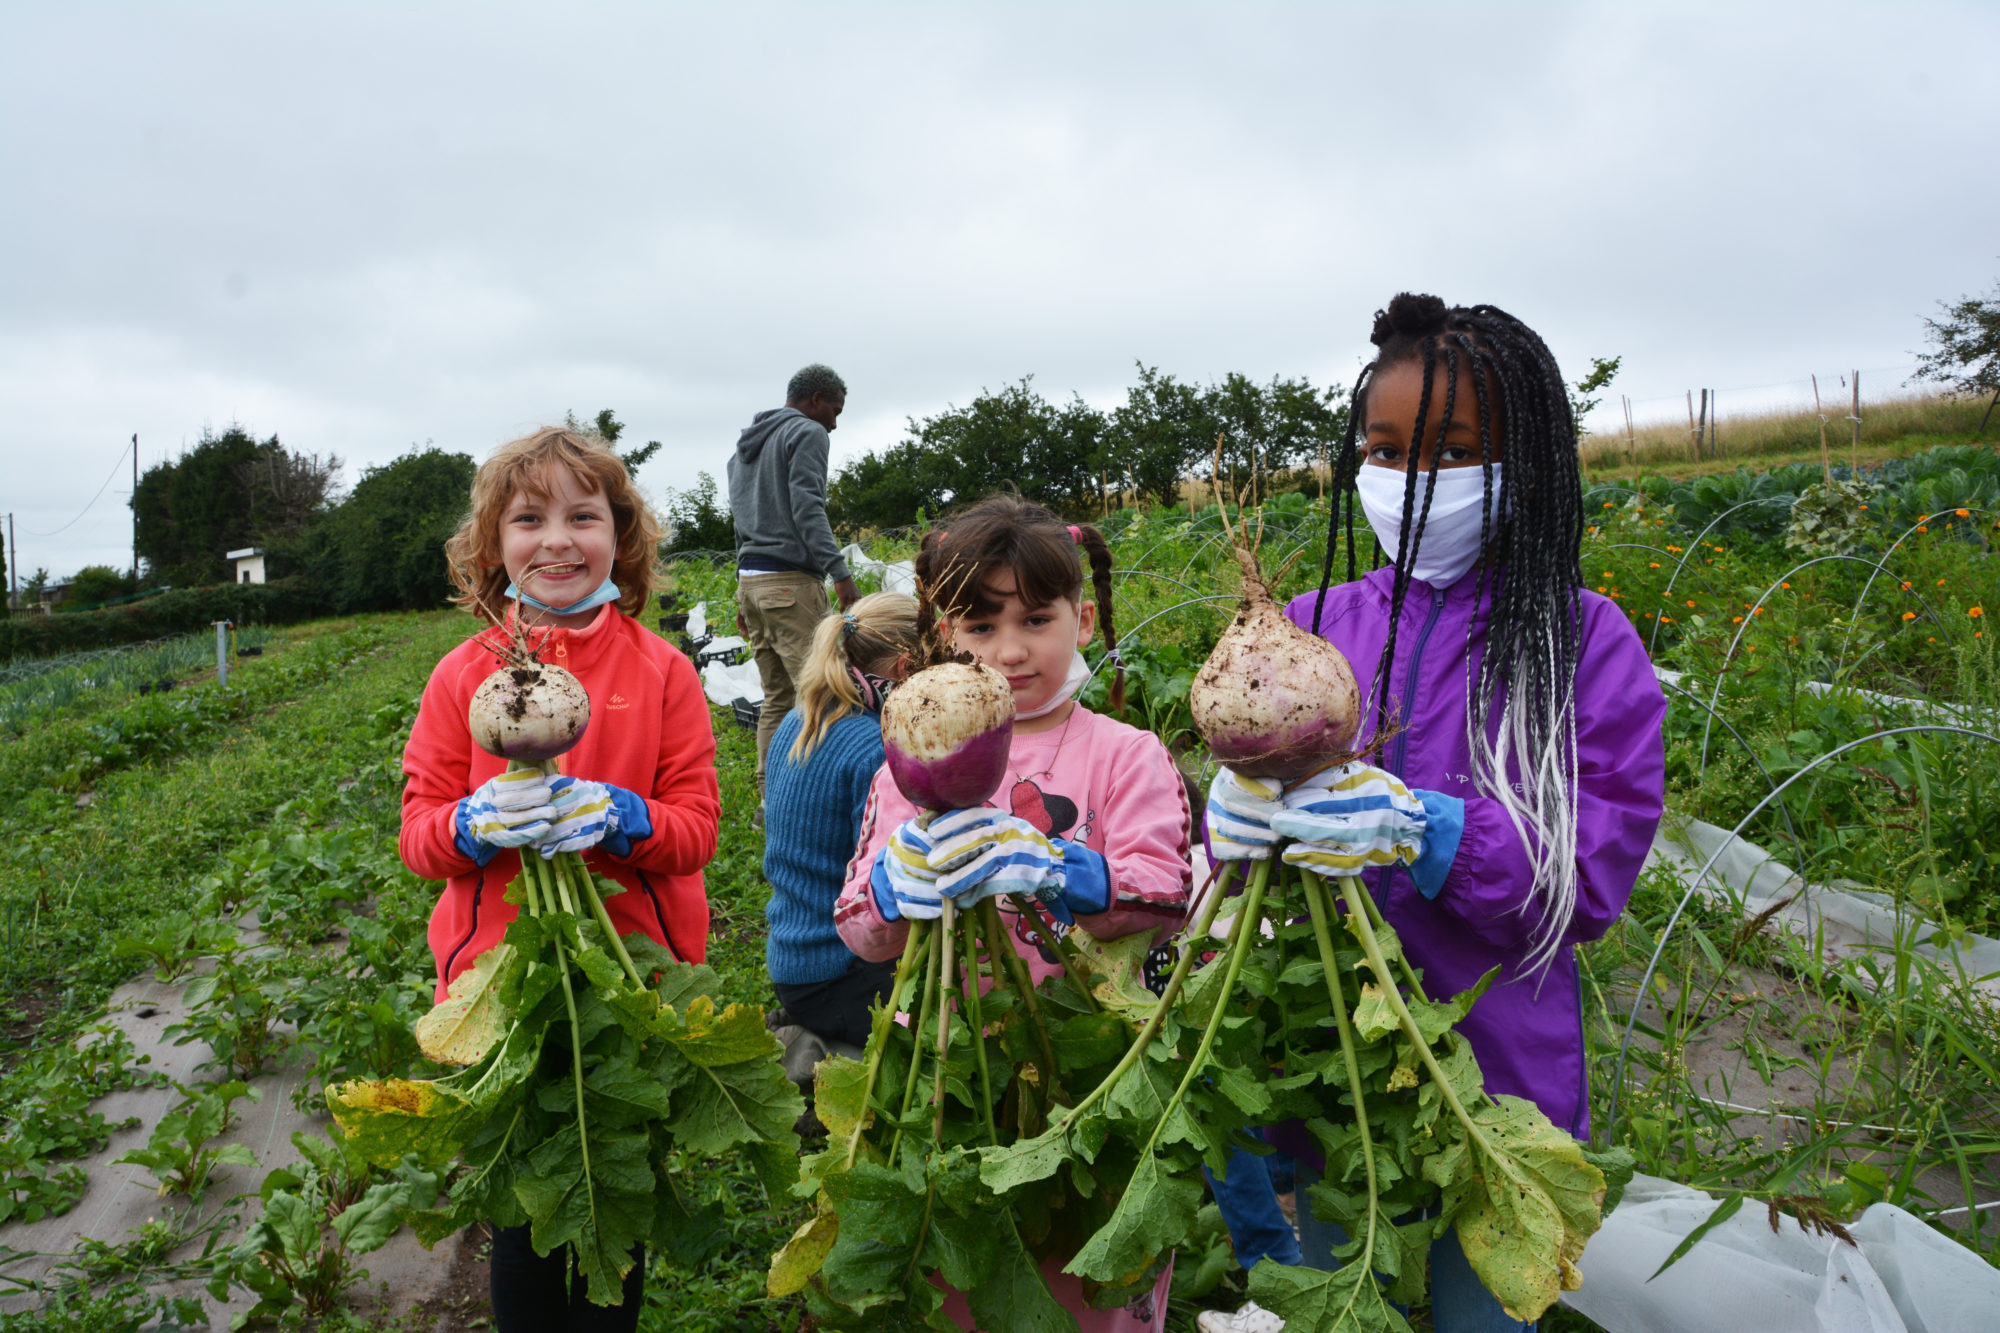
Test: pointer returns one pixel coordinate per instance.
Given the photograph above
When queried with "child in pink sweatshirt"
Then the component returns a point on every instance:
(1091, 807)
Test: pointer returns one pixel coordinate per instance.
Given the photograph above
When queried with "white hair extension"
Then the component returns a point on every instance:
(1536, 735)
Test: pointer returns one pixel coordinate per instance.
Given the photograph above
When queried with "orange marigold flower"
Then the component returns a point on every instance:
(1906, 585)
(1600, 587)
(1736, 620)
(1922, 528)
(1965, 513)
(1758, 612)
(1784, 585)
(1652, 564)
(1690, 601)
(1976, 612)
(1940, 583)
(1909, 615)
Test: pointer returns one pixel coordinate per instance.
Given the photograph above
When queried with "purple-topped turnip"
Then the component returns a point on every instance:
(947, 731)
(528, 712)
(1273, 701)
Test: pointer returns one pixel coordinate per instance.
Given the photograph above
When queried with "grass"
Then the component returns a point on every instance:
(1890, 428)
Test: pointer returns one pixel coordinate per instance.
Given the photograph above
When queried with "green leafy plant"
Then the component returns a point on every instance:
(234, 1008)
(298, 1256)
(46, 1117)
(173, 944)
(1831, 518)
(582, 1079)
(181, 1152)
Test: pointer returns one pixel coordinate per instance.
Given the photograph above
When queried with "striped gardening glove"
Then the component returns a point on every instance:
(984, 853)
(511, 810)
(1239, 816)
(585, 815)
(905, 885)
(1347, 818)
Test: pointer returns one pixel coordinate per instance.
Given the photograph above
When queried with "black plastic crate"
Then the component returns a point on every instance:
(746, 712)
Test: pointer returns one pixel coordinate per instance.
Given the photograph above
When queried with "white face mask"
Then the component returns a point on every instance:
(1452, 528)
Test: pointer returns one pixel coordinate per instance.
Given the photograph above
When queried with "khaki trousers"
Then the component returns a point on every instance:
(780, 611)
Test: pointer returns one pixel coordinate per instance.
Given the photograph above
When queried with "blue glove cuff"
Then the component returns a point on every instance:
(1086, 879)
(635, 822)
(471, 848)
(1444, 827)
(878, 883)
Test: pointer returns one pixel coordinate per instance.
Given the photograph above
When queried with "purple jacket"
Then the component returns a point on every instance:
(1527, 1030)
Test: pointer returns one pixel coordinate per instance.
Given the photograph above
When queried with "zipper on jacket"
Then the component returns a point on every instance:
(478, 889)
(660, 915)
(1410, 677)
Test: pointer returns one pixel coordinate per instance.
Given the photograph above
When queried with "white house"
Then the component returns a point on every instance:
(249, 564)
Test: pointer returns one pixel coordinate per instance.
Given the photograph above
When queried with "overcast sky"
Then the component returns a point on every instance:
(363, 227)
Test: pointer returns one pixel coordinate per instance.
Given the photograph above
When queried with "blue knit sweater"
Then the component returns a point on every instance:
(812, 821)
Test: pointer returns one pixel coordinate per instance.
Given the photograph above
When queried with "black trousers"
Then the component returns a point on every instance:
(839, 1008)
(531, 1296)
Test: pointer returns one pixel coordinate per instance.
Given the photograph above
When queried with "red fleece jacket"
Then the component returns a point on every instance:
(649, 733)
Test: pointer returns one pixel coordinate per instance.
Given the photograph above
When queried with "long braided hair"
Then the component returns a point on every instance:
(1044, 554)
(1521, 703)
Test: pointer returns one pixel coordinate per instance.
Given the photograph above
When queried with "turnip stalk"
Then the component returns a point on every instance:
(1182, 967)
(914, 951)
(931, 952)
(1079, 971)
(1318, 903)
(974, 1012)
(997, 943)
(1242, 933)
(948, 934)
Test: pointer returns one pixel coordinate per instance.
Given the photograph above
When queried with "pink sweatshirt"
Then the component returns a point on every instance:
(1099, 782)
(1112, 788)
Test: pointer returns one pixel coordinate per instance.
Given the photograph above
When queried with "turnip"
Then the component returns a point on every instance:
(528, 712)
(1272, 700)
(947, 731)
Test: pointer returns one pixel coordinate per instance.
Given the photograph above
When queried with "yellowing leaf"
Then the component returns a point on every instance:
(1531, 1205)
(794, 1265)
(462, 1029)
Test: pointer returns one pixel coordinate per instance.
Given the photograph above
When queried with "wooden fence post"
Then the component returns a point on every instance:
(1854, 459)
(1631, 443)
(1825, 459)
(1692, 435)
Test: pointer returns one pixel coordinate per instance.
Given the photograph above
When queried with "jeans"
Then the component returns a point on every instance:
(1249, 1203)
(529, 1293)
(1460, 1303)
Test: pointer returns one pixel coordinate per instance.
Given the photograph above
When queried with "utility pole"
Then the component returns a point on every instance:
(13, 566)
(135, 509)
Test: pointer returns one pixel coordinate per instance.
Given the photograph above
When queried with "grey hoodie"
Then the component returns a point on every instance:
(777, 493)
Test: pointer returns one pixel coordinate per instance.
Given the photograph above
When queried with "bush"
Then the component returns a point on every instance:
(177, 612)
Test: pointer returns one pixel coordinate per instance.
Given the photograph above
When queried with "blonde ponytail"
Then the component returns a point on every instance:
(874, 635)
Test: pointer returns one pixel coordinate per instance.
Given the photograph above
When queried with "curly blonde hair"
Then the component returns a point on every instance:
(523, 466)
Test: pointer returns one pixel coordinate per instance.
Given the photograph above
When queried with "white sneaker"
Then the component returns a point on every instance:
(1252, 1318)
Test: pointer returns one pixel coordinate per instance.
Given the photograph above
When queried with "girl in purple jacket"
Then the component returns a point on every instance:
(1519, 793)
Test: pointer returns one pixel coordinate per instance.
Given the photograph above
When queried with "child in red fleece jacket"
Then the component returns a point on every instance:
(559, 542)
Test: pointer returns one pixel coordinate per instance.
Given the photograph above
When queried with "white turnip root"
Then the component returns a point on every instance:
(528, 712)
(1273, 701)
(946, 732)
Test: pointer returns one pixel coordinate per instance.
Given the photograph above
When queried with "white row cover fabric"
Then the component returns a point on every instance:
(1899, 1276)
(896, 575)
(724, 685)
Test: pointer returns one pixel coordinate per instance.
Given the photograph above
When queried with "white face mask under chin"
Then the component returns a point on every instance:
(1452, 528)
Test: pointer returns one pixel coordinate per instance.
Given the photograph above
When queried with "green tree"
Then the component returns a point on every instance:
(96, 584)
(695, 522)
(607, 425)
(1965, 349)
(383, 547)
(229, 491)
(1158, 433)
(31, 587)
(1582, 395)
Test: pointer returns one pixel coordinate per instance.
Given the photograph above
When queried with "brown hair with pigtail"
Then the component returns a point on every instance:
(1044, 554)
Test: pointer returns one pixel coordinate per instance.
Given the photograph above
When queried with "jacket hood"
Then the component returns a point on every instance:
(761, 428)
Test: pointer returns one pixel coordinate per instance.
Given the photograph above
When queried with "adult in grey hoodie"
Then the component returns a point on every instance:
(785, 550)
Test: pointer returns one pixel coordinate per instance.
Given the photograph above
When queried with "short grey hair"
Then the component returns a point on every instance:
(815, 378)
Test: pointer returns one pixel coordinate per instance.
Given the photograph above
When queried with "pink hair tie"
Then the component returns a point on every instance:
(1075, 535)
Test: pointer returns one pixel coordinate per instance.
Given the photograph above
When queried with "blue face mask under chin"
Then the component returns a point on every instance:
(607, 591)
